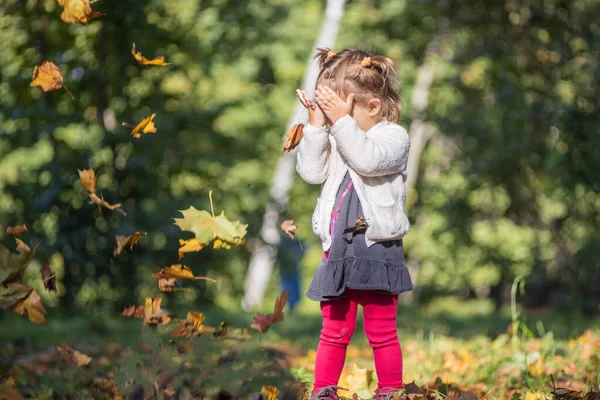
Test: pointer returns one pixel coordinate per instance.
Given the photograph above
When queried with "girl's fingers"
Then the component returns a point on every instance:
(301, 97)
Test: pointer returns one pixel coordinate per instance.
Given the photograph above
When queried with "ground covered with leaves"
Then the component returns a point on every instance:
(153, 363)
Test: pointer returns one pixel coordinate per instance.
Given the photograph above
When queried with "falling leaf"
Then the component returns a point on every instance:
(74, 356)
(31, 307)
(168, 285)
(189, 246)
(47, 77)
(48, 278)
(262, 322)
(146, 126)
(144, 61)
(131, 240)
(192, 326)
(226, 330)
(207, 227)
(12, 294)
(78, 11)
(361, 223)
(22, 246)
(289, 228)
(12, 265)
(94, 199)
(226, 244)
(293, 136)
(178, 271)
(133, 312)
(87, 177)
(153, 314)
(150, 312)
(16, 230)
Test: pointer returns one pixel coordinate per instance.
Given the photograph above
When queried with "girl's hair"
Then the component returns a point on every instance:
(364, 74)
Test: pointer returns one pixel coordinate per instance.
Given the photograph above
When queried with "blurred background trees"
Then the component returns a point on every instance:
(507, 184)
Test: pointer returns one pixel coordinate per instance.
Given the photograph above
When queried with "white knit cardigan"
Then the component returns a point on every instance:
(376, 160)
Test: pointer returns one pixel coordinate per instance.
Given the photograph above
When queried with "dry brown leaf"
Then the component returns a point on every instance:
(192, 326)
(22, 246)
(178, 271)
(16, 230)
(131, 240)
(189, 246)
(31, 307)
(47, 77)
(78, 11)
(289, 228)
(87, 177)
(73, 356)
(94, 199)
(146, 126)
(293, 136)
(361, 223)
(160, 61)
(166, 285)
(133, 312)
(262, 322)
(48, 278)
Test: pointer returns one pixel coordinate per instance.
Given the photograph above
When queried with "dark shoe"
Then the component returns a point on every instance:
(387, 393)
(327, 393)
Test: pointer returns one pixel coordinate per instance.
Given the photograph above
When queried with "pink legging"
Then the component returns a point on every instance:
(339, 323)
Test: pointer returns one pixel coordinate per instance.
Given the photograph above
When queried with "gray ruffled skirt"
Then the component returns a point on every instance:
(351, 264)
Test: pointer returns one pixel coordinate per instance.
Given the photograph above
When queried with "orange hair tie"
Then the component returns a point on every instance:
(366, 62)
(330, 55)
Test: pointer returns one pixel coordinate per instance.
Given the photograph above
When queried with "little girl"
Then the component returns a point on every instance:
(354, 148)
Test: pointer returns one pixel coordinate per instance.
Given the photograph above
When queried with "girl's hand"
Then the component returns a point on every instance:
(315, 116)
(332, 105)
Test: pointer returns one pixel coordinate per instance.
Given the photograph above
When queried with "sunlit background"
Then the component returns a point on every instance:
(507, 183)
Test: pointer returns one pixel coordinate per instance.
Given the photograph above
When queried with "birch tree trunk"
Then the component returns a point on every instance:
(420, 131)
(264, 249)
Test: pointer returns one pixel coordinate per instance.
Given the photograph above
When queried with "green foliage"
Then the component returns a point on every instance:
(508, 187)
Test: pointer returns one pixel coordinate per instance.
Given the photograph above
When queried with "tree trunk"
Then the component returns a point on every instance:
(420, 131)
(264, 249)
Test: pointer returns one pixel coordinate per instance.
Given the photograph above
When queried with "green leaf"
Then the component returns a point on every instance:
(207, 228)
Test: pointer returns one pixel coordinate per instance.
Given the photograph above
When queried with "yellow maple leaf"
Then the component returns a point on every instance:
(189, 246)
(192, 326)
(146, 126)
(160, 61)
(47, 77)
(78, 11)
(178, 271)
(153, 314)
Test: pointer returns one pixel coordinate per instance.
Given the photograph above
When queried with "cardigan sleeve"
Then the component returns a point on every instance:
(313, 155)
(383, 152)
